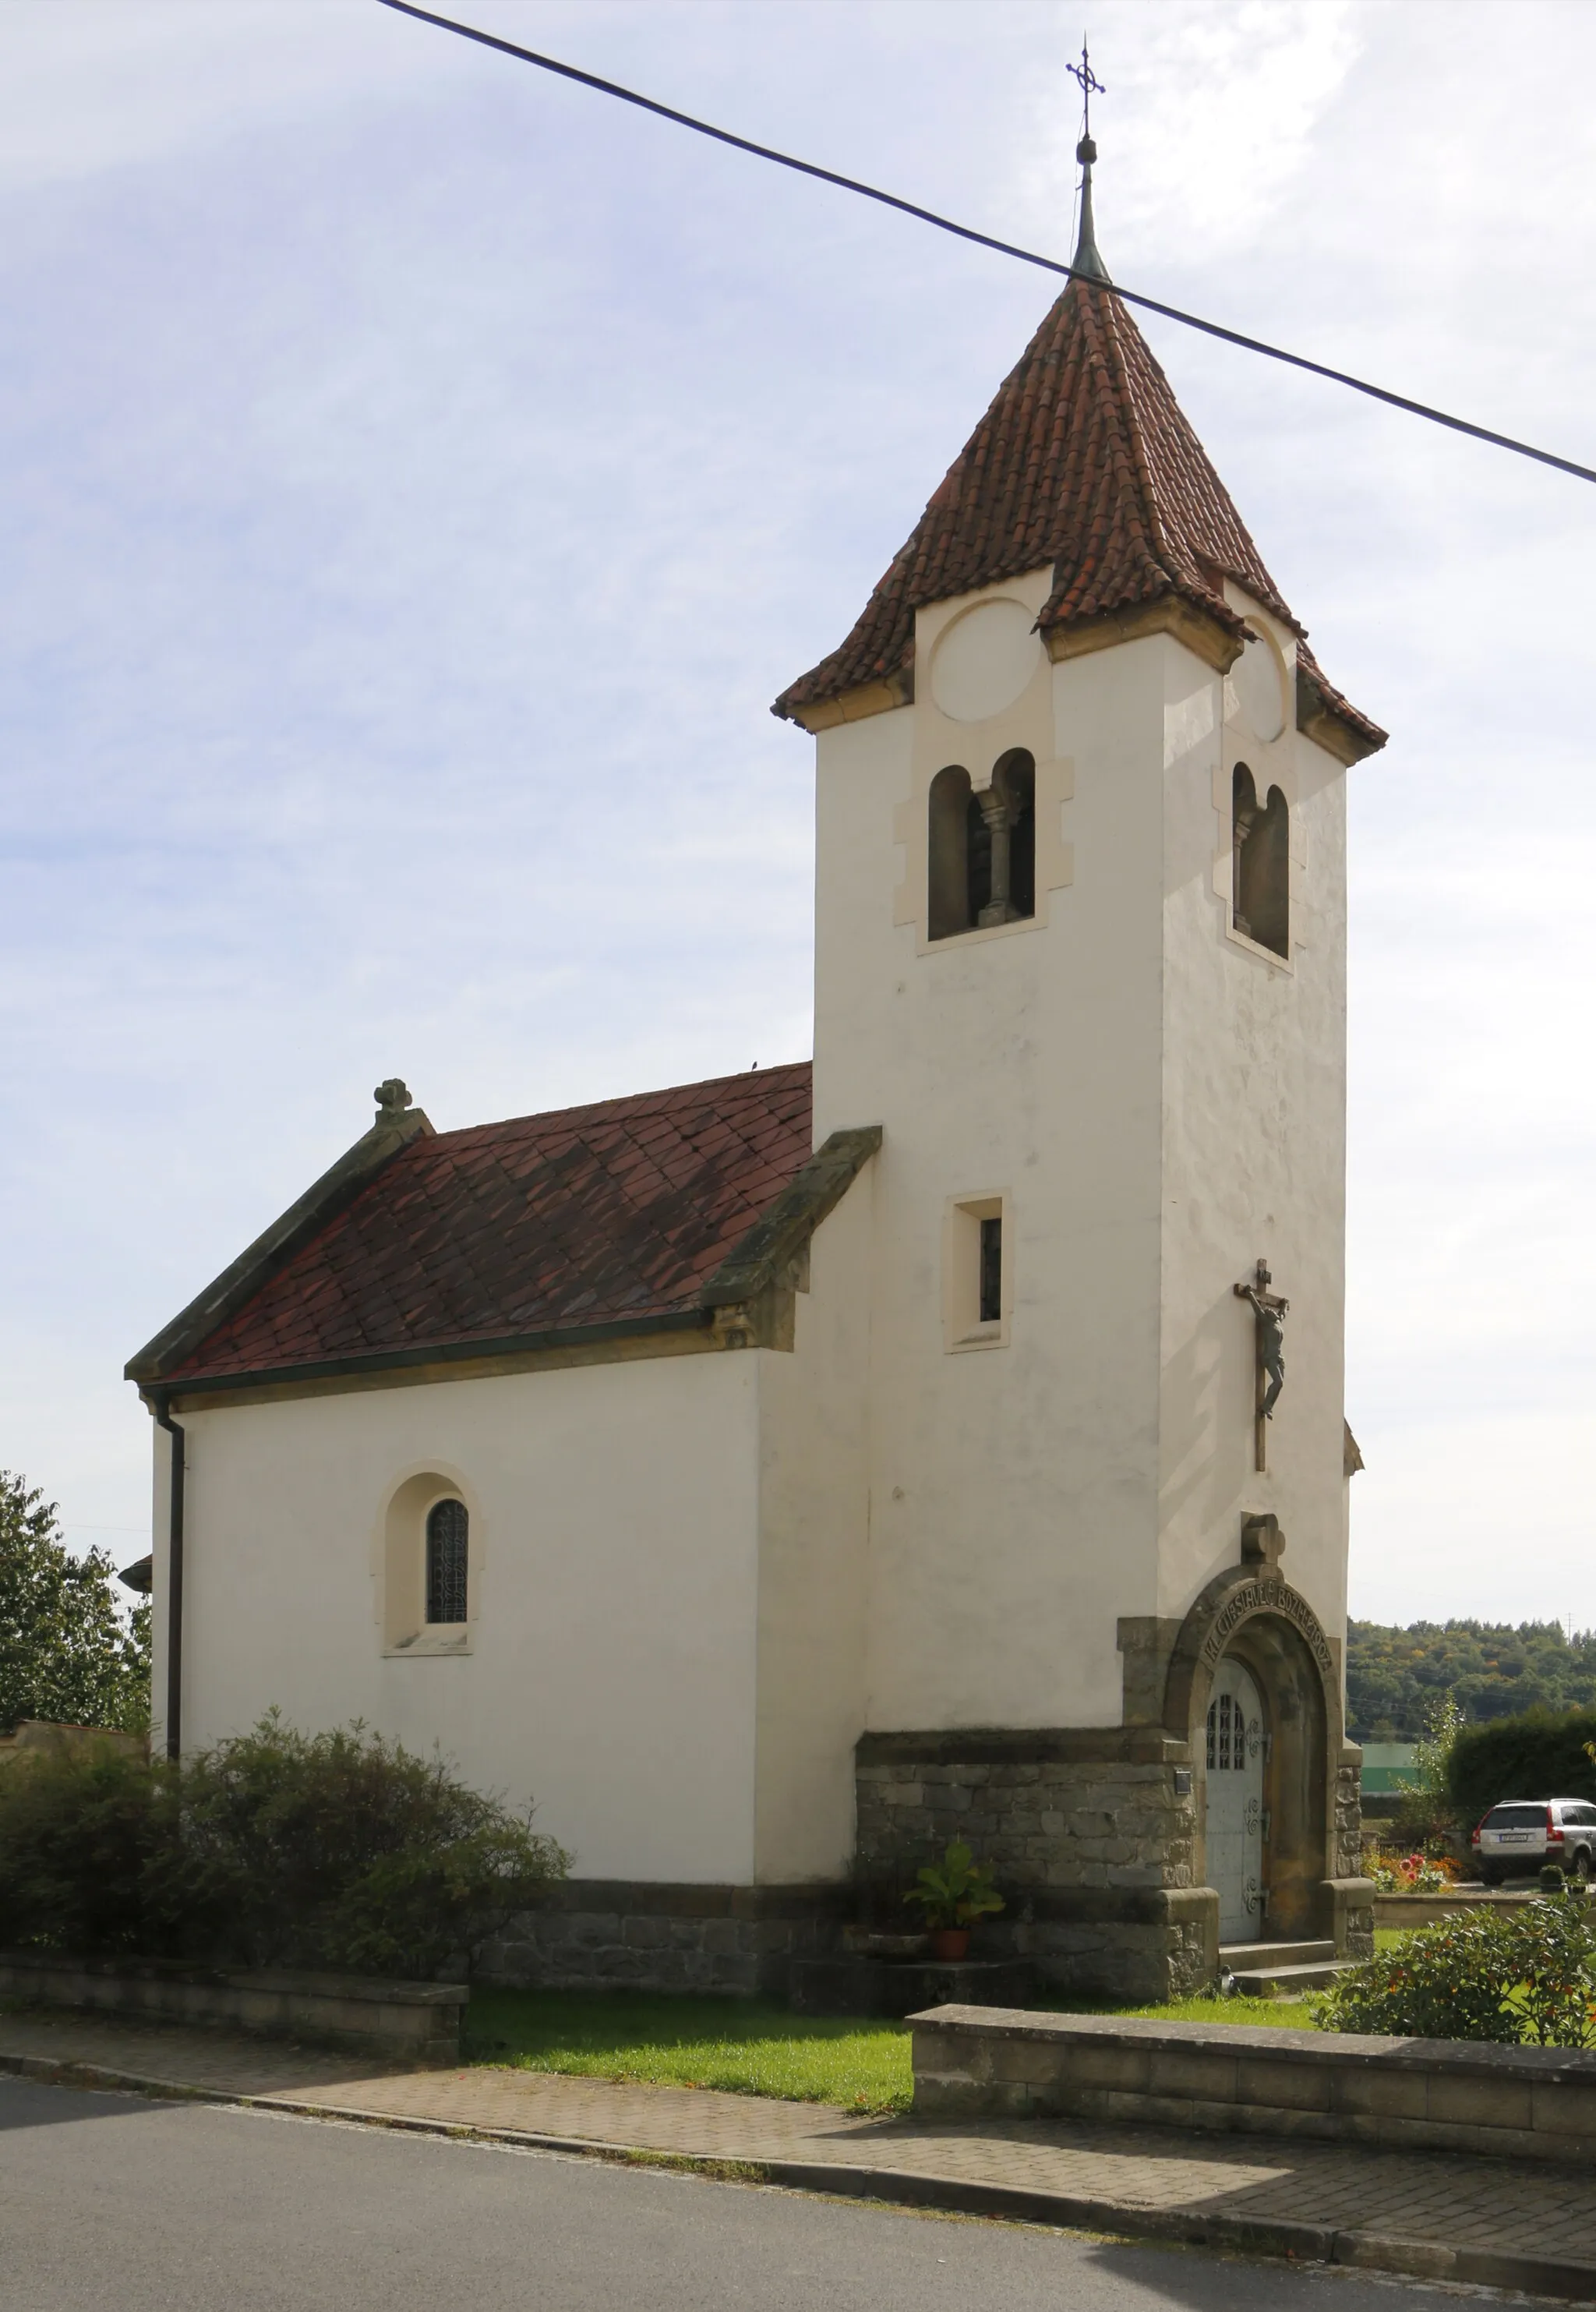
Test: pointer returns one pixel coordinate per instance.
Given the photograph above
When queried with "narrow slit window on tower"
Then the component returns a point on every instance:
(977, 1293)
(1261, 865)
(447, 1528)
(992, 1270)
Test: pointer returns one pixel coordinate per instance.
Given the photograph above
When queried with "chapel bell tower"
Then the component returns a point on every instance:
(1080, 933)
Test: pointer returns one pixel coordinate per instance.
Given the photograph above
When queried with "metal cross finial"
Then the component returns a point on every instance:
(1090, 86)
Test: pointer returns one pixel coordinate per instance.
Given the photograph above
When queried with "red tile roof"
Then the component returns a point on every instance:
(1084, 461)
(585, 1217)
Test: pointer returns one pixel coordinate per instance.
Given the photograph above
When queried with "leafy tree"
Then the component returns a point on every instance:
(1426, 1811)
(1542, 1753)
(1489, 1669)
(65, 1653)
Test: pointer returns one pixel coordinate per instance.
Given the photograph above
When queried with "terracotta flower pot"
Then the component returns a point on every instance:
(950, 1942)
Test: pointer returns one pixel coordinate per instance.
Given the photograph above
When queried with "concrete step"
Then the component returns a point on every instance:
(1289, 1982)
(1238, 1957)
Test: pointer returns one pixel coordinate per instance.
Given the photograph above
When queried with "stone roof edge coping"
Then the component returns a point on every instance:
(1323, 714)
(440, 1352)
(781, 1232)
(227, 1293)
(1575, 2065)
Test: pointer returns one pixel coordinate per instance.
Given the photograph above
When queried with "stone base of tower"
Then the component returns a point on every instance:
(624, 1935)
(1092, 1835)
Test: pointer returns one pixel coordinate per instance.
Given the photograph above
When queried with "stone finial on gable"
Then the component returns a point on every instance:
(392, 1096)
(1263, 1542)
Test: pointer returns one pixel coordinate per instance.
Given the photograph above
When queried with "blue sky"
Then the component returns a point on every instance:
(417, 477)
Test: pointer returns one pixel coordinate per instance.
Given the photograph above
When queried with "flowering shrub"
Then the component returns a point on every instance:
(1485, 1973)
(1414, 1874)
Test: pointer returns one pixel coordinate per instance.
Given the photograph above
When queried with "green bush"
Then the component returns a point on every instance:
(1450, 1980)
(1554, 1948)
(1540, 1755)
(91, 1856)
(340, 1851)
(1502, 1976)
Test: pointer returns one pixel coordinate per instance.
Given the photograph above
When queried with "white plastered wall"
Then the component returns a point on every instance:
(1143, 1090)
(611, 1673)
(1254, 1131)
(813, 1550)
(1013, 1490)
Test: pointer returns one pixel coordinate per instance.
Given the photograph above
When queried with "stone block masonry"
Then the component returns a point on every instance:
(417, 2022)
(614, 1934)
(1089, 1831)
(1432, 2095)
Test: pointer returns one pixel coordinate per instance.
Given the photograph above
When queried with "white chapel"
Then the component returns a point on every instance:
(779, 1475)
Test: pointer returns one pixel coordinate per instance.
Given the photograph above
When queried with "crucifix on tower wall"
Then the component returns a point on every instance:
(1269, 1334)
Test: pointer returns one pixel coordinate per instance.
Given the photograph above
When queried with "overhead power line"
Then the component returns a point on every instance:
(989, 240)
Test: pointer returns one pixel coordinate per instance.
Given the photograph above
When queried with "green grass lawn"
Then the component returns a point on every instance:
(749, 2046)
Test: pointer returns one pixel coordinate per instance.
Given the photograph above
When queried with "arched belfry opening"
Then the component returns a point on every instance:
(947, 850)
(1260, 863)
(981, 847)
(1014, 779)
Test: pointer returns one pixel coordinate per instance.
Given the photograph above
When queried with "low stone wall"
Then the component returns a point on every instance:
(1448, 2095)
(607, 1934)
(418, 2022)
(42, 1738)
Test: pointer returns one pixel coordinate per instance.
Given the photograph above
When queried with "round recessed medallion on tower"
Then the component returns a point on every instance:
(984, 660)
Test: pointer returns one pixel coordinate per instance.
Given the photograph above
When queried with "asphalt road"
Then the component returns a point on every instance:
(114, 2203)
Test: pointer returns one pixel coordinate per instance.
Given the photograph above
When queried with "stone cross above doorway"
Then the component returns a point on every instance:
(1263, 1542)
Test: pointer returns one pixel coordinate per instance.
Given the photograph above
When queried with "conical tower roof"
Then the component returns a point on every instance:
(1085, 462)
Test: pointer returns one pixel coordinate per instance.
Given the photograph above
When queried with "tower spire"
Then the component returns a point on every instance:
(1087, 258)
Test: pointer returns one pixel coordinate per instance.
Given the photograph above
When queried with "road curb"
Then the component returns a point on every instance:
(1417, 2259)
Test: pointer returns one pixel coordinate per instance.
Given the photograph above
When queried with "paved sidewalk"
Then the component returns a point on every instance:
(1506, 2224)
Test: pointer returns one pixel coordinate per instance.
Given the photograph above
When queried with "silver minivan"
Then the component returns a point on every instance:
(1521, 1834)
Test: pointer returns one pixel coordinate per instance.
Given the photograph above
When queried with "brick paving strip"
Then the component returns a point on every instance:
(1515, 2224)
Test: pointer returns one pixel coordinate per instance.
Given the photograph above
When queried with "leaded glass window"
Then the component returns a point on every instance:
(446, 1528)
(1227, 1735)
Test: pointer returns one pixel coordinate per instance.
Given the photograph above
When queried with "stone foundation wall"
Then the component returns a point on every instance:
(609, 1934)
(414, 2022)
(1090, 1833)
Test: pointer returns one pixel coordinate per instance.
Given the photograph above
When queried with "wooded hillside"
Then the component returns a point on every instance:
(1491, 1669)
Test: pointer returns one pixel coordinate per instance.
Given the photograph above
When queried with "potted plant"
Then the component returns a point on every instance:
(952, 1893)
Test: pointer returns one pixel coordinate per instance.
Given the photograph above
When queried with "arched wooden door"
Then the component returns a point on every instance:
(1236, 1759)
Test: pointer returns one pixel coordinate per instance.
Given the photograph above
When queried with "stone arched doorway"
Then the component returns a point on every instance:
(1235, 1770)
(1251, 1634)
